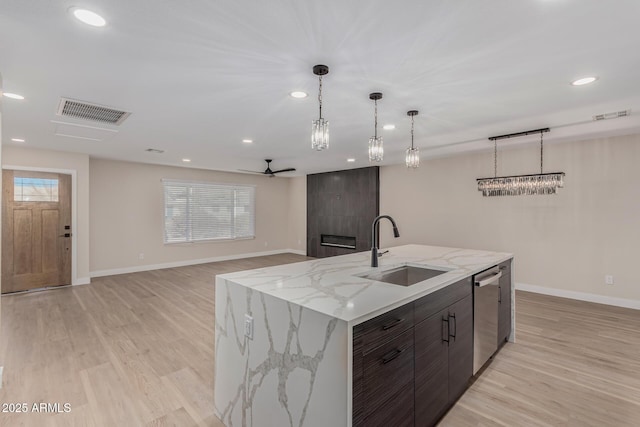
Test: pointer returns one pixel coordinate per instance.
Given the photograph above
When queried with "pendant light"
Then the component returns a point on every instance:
(376, 150)
(516, 185)
(320, 127)
(412, 158)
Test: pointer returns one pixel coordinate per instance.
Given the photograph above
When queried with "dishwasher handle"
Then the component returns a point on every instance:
(489, 280)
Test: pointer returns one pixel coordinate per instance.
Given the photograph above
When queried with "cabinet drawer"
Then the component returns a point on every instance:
(387, 370)
(381, 329)
(396, 412)
(431, 304)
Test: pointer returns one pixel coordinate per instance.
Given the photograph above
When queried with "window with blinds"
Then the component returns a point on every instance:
(199, 211)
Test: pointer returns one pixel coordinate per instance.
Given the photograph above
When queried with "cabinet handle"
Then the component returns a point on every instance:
(392, 355)
(455, 326)
(445, 319)
(499, 294)
(392, 324)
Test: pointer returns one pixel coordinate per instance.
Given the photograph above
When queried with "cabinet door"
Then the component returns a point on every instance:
(460, 347)
(504, 307)
(431, 363)
(387, 370)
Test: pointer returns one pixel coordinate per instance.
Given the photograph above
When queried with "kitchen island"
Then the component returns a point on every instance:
(285, 334)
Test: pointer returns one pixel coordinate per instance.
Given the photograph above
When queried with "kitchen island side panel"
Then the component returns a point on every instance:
(294, 372)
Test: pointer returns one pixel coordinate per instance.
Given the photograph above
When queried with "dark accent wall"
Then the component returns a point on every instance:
(342, 203)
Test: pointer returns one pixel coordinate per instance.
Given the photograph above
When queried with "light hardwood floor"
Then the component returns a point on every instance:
(137, 350)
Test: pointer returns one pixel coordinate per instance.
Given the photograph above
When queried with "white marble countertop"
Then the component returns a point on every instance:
(330, 285)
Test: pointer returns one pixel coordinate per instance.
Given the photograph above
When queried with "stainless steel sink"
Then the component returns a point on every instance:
(406, 275)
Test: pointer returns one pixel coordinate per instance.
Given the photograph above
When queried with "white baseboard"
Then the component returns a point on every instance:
(149, 267)
(82, 281)
(297, 252)
(581, 296)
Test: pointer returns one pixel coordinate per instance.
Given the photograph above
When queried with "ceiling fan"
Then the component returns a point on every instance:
(268, 170)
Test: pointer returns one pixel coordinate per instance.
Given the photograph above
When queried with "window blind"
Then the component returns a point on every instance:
(200, 211)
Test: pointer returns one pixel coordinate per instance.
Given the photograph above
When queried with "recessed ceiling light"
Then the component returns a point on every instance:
(351, 160)
(186, 160)
(13, 95)
(89, 17)
(584, 81)
(298, 94)
(389, 127)
(247, 141)
(17, 139)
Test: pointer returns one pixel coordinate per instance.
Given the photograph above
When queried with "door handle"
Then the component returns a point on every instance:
(392, 355)
(392, 324)
(65, 235)
(455, 326)
(445, 319)
(491, 279)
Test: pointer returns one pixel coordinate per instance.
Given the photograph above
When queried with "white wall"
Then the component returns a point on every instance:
(45, 159)
(566, 242)
(126, 208)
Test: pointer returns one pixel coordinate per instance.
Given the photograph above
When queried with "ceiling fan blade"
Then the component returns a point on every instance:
(244, 170)
(285, 170)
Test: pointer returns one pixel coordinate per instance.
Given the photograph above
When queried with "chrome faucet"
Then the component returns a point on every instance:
(374, 237)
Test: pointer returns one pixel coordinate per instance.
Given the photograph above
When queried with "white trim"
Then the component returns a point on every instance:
(149, 267)
(74, 210)
(297, 252)
(581, 296)
(82, 281)
(1, 372)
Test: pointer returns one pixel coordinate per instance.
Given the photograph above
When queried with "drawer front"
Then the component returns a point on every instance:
(381, 329)
(433, 303)
(387, 370)
(396, 412)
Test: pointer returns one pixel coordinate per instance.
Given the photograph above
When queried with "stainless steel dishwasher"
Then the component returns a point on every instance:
(486, 294)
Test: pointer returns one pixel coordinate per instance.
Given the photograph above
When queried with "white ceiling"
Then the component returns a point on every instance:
(200, 76)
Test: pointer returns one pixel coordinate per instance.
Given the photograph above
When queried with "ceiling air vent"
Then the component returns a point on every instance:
(154, 151)
(93, 112)
(614, 115)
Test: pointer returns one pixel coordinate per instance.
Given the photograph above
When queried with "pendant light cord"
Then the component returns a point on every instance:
(412, 133)
(320, 95)
(541, 151)
(375, 115)
(495, 158)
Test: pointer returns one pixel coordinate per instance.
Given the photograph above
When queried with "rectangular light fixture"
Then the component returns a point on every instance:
(518, 185)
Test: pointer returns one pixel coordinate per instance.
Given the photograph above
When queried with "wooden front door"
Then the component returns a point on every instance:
(36, 230)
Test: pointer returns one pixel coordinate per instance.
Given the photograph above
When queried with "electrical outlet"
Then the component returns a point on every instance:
(248, 326)
(141, 256)
(266, 244)
(608, 279)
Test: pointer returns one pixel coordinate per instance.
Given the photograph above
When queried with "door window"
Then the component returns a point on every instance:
(35, 189)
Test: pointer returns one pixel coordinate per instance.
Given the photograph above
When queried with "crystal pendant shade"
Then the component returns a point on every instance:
(320, 134)
(519, 185)
(412, 159)
(320, 127)
(376, 149)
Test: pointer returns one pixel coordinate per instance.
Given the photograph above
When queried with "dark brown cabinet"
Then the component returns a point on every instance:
(406, 375)
(444, 360)
(504, 303)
